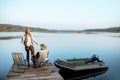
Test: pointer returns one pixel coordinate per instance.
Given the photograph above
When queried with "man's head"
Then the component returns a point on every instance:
(43, 46)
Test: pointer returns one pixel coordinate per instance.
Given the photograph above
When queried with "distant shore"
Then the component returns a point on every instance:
(19, 28)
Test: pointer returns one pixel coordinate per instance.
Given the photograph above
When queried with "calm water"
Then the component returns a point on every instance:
(64, 46)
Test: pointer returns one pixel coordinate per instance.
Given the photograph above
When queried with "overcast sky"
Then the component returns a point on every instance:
(61, 14)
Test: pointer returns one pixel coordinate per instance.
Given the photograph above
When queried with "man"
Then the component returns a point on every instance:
(42, 56)
(28, 41)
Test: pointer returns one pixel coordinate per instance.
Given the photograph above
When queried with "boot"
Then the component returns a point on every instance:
(28, 65)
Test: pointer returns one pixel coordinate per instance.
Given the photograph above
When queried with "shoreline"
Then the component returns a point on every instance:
(16, 37)
(9, 37)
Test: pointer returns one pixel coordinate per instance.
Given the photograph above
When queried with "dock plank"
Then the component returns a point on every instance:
(40, 73)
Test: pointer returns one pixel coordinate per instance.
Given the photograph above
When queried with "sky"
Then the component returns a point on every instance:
(61, 14)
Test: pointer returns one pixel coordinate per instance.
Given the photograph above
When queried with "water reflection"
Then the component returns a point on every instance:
(65, 46)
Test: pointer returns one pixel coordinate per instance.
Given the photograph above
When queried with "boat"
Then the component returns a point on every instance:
(80, 68)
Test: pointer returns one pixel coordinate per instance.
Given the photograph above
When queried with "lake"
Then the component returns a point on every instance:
(65, 46)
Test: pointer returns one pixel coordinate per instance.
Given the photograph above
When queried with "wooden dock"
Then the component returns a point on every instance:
(47, 72)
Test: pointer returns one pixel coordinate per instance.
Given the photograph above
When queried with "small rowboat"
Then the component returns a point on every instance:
(71, 69)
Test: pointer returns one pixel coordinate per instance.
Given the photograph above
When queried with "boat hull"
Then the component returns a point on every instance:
(81, 74)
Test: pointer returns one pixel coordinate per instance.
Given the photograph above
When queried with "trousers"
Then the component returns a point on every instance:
(28, 50)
